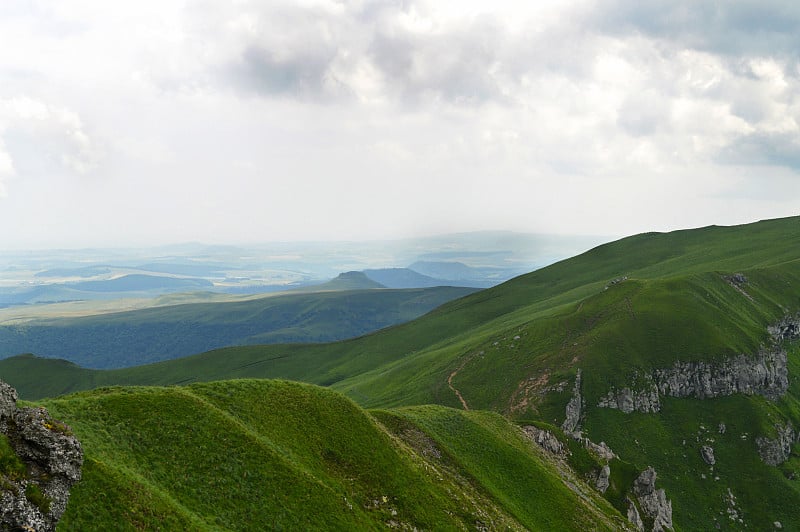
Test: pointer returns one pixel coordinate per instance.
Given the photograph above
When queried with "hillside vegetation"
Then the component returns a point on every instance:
(623, 314)
(148, 335)
(258, 455)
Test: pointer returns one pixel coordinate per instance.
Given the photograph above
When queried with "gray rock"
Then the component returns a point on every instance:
(8, 401)
(602, 450)
(628, 400)
(764, 374)
(775, 451)
(786, 329)
(53, 458)
(737, 279)
(653, 502)
(633, 515)
(544, 439)
(571, 424)
(601, 483)
(707, 452)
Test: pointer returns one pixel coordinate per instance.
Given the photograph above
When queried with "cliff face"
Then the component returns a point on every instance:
(765, 373)
(40, 460)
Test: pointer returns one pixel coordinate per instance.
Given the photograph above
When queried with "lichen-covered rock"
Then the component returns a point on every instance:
(633, 515)
(707, 453)
(602, 481)
(544, 439)
(775, 451)
(652, 502)
(571, 424)
(8, 400)
(764, 374)
(52, 458)
(786, 329)
(628, 400)
(601, 450)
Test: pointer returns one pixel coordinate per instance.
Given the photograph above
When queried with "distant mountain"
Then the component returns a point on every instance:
(459, 274)
(345, 281)
(454, 271)
(403, 278)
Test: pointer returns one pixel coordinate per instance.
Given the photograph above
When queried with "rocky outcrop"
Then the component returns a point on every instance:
(765, 373)
(601, 450)
(644, 400)
(651, 504)
(602, 480)
(544, 439)
(786, 329)
(572, 421)
(633, 514)
(707, 454)
(34, 486)
(775, 451)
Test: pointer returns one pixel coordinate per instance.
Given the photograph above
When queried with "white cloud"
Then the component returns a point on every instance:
(48, 137)
(306, 119)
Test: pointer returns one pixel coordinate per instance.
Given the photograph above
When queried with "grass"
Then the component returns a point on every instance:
(494, 453)
(255, 455)
(10, 464)
(514, 349)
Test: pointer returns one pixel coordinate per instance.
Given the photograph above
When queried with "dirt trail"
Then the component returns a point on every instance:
(450, 382)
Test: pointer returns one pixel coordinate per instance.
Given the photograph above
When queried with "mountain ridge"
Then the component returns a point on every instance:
(651, 313)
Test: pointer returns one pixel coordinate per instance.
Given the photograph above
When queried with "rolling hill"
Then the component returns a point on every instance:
(165, 332)
(134, 285)
(257, 455)
(679, 350)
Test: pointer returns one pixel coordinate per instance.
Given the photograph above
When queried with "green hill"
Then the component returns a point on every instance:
(258, 455)
(692, 333)
(344, 281)
(148, 335)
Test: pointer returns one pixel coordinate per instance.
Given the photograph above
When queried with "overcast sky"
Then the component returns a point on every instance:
(150, 122)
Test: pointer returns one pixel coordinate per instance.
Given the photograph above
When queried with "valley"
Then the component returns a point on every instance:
(654, 376)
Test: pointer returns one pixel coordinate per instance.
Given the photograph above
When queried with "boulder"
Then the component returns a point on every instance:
(544, 439)
(707, 453)
(653, 502)
(52, 459)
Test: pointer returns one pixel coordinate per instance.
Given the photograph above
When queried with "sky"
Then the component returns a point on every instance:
(155, 122)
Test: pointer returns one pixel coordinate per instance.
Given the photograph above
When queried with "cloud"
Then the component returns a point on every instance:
(42, 138)
(739, 27)
(464, 113)
(761, 148)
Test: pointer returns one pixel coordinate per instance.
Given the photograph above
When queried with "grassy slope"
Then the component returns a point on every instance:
(500, 347)
(410, 363)
(256, 455)
(149, 335)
